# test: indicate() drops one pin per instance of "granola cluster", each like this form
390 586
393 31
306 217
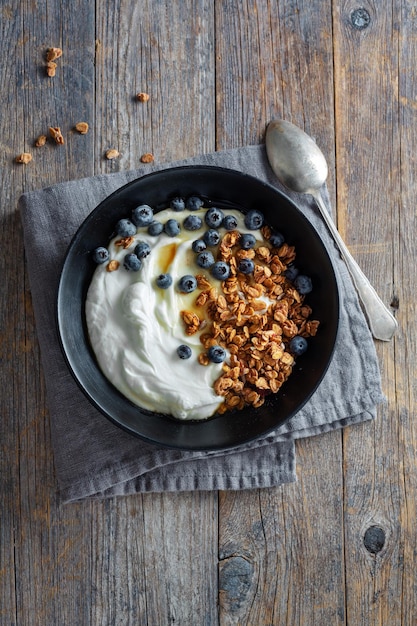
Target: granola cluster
51 55
253 316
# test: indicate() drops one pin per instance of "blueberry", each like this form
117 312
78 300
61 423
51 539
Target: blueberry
229 222
254 219
142 250
132 263
187 283
164 281
198 245
291 272
142 215
155 228
184 352
211 237
216 354
205 259
192 222
101 255
220 270
194 203
246 266
214 217
303 284
125 228
298 345
172 228
276 240
177 204
247 241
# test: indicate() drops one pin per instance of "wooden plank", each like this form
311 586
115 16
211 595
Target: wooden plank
49 578
15 342
275 60
281 550
163 565
12 330
373 208
281 556
60 561
150 556
169 54
404 401
59 101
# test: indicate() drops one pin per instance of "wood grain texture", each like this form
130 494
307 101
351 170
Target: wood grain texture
377 482
167 51
294 563
286 580
150 552
338 546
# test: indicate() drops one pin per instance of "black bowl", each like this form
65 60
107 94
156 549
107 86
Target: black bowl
227 189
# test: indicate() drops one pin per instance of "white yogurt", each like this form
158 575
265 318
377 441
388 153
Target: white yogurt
135 327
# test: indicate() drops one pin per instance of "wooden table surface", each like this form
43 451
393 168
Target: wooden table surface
338 546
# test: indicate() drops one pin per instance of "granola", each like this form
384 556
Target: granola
24 158
148 157
82 128
51 68
56 134
142 97
112 154
53 53
40 141
254 316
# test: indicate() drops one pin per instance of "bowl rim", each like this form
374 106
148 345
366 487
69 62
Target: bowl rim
67 351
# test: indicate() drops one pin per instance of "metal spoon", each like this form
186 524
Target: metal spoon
300 165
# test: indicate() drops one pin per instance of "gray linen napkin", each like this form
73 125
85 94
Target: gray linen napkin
93 458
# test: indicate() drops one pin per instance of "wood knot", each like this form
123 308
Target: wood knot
374 539
360 19
235 581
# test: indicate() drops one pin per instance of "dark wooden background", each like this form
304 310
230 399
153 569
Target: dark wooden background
217 72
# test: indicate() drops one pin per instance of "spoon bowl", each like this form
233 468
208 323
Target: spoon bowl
300 165
295 157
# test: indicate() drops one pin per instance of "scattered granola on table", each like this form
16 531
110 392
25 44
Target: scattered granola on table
24 157
53 53
142 97
40 141
56 134
148 157
112 154
82 128
51 68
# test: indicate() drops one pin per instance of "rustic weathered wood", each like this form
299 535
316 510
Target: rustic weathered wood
286 582
167 51
150 552
338 546
379 461
293 570
49 577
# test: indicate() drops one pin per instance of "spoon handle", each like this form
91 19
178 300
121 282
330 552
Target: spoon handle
381 321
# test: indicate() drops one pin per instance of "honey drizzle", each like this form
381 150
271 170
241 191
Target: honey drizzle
166 256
